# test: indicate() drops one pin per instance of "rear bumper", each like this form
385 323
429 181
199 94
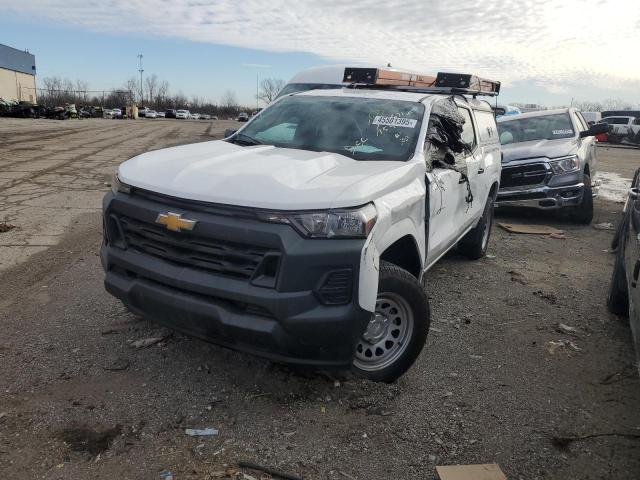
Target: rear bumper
285 321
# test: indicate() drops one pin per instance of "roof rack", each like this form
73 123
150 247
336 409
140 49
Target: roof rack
456 83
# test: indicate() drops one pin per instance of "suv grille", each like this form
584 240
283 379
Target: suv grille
227 258
531 174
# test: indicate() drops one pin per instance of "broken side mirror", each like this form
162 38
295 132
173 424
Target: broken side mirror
230 131
595 129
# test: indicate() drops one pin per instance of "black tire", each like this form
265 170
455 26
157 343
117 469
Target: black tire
618 296
583 213
475 243
400 332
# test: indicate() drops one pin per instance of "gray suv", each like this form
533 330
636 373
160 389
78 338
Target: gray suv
549 158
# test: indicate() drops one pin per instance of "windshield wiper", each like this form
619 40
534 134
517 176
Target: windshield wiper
245 139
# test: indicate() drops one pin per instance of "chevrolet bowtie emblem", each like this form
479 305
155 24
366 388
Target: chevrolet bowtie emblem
175 222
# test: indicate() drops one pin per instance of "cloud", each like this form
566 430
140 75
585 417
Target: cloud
551 42
256 65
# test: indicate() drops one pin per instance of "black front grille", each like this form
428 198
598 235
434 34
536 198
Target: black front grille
228 258
519 175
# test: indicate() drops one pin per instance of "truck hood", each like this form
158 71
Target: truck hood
264 176
539 148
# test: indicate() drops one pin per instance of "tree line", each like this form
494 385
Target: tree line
154 94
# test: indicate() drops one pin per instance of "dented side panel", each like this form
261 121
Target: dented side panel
400 213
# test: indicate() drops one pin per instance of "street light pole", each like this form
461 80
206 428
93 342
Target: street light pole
141 70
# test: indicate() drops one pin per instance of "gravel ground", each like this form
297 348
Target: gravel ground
78 400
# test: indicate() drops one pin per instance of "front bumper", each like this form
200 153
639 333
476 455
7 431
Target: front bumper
284 317
542 196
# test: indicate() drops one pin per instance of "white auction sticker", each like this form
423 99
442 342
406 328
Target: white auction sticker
566 131
395 121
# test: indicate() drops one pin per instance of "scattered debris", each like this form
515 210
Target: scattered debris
84 439
5 227
267 470
490 256
346 475
490 471
517 277
166 475
562 328
380 411
3 414
205 432
119 364
604 226
563 442
434 329
553 347
558 236
550 297
529 229
148 342
475 357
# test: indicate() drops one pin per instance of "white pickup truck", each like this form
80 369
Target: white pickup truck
621 127
304 236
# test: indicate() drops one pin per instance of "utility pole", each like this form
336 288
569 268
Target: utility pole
141 70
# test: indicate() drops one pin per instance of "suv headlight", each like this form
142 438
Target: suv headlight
567 164
342 223
118 186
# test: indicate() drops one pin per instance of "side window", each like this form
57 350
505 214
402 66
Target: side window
636 121
487 128
468 135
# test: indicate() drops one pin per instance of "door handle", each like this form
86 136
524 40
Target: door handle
481 170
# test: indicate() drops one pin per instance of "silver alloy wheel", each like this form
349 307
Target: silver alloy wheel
387 334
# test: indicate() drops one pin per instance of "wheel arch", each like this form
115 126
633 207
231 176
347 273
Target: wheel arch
405 254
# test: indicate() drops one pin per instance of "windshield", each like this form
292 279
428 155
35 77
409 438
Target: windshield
360 128
545 127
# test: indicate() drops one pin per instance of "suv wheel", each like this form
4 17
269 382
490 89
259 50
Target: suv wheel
583 213
475 243
398 329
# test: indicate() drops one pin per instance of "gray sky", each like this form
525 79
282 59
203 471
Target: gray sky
543 50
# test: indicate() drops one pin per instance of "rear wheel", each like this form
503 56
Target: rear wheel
583 213
475 243
398 329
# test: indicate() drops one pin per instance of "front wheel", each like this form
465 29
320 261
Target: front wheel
398 329
583 213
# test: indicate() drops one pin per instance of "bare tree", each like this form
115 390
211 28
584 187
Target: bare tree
162 92
229 100
269 88
132 85
81 89
152 86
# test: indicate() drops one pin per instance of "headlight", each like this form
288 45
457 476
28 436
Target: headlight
118 186
565 164
329 224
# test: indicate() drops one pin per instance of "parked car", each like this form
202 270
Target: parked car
624 292
160 114
195 116
116 113
142 112
621 127
170 113
310 251
205 116
243 117
107 112
183 114
549 158
151 114
213 117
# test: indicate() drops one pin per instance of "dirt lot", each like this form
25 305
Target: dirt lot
79 401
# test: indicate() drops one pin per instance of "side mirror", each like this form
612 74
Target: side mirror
595 129
229 131
634 194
